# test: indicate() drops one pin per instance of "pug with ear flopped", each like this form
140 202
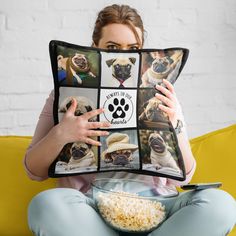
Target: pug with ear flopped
160 154
83 105
121 72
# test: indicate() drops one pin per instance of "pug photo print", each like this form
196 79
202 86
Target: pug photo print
160 64
141 138
119 151
159 153
77 157
119 70
86 98
149 113
77 67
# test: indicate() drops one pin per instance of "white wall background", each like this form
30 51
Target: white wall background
206 87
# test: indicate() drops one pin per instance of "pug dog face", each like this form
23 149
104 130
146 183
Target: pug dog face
80 61
83 105
119 157
79 150
162 65
152 112
121 67
157 143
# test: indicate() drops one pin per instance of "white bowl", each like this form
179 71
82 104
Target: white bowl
131 205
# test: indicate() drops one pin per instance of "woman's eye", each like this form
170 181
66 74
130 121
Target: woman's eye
112 47
134 47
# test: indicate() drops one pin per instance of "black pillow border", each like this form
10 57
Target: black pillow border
53 58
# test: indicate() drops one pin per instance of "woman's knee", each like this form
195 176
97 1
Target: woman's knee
51 209
215 198
51 201
220 204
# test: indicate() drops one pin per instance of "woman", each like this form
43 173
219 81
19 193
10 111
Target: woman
66 211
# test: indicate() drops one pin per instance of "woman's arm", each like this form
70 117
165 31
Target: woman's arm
39 156
49 140
173 109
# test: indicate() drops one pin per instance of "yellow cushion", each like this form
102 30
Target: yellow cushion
16 188
215 153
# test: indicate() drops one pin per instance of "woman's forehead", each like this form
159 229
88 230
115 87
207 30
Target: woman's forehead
120 33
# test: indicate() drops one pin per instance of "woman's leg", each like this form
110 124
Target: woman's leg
209 212
63 212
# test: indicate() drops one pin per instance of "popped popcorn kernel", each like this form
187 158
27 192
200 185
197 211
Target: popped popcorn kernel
129 212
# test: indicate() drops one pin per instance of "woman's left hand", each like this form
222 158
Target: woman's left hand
170 102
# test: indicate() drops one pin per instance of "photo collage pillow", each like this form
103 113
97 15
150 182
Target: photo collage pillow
141 138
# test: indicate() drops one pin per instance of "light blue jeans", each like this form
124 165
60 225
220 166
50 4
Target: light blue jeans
68 212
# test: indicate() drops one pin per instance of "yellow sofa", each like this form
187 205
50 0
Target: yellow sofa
215 153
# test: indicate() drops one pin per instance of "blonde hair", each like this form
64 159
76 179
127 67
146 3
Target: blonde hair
118 14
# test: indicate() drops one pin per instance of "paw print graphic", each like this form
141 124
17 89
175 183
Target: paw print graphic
118 107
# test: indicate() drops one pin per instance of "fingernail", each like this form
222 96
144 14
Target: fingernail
99 144
107 133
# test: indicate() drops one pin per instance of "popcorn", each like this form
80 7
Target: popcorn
129 212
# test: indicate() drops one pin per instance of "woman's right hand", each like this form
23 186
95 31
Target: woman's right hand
78 128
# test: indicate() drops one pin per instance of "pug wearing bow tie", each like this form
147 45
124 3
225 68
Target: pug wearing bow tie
121 72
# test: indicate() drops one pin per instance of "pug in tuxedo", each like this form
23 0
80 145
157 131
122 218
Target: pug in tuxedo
121 72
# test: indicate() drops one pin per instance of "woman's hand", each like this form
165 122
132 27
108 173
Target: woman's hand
170 104
78 128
